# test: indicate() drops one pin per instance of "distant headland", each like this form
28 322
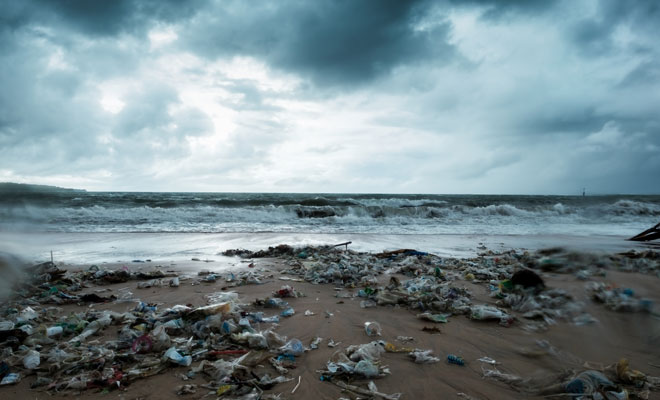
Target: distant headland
11 187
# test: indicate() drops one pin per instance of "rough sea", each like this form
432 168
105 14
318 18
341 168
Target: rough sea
132 212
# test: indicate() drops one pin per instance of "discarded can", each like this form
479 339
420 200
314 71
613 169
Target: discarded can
452 359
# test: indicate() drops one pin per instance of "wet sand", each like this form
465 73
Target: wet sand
635 336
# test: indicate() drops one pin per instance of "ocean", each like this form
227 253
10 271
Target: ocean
85 226
79 211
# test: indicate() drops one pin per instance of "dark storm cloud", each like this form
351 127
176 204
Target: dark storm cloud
484 93
333 42
100 18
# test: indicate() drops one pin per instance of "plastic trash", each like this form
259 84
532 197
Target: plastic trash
293 347
488 360
276 303
372 328
217 308
368 304
54 331
309 313
589 382
174 282
274 340
287 312
229 327
6 325
32 359
369 351
142 344
366 368
27 314
160 339
10 379
453 359
423 357
432 317
484 312
273 319
174 356
223 297
315 343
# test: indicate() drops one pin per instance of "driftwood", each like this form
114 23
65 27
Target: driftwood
649 234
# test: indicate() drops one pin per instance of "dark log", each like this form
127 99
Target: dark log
649 234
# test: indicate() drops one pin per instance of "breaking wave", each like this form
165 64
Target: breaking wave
264 212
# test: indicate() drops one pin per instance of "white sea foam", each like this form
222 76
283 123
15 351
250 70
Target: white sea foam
288 213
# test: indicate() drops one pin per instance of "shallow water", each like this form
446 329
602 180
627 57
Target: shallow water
126 247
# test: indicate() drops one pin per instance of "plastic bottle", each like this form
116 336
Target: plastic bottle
452 359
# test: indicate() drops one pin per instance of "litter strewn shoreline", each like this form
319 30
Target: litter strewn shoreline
326 322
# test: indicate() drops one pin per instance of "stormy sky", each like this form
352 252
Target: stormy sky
478 96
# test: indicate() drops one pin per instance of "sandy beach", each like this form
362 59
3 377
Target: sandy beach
517 349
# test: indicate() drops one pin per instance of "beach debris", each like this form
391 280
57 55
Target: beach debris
454 359
488 360
652 233
432 317
485 312
186 389
309 313
527 279
423 357
10 379
226 343
617 299
297 385
372 328
315 343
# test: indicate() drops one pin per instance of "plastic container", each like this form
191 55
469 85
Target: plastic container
372 328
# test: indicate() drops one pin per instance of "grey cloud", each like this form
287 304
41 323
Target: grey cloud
497 9
645 73
103 18
594 35
340 42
